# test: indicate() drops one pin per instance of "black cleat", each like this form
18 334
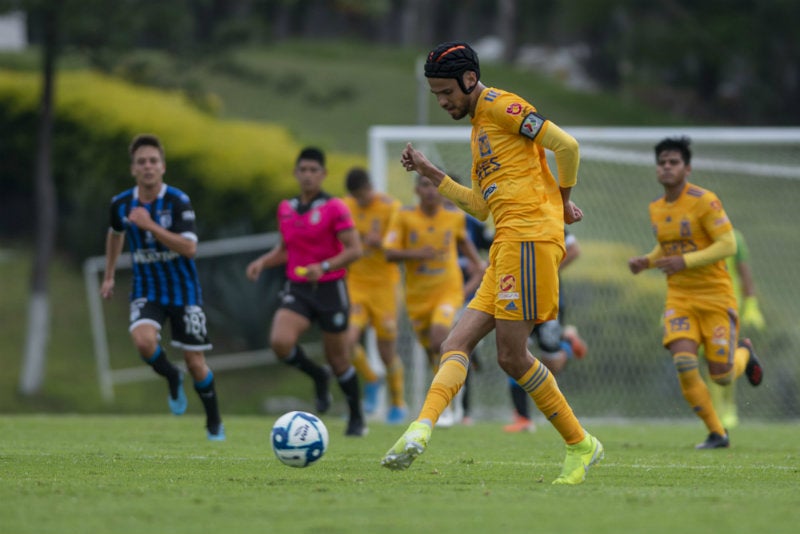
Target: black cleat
715 441
753 371
356 427
322 391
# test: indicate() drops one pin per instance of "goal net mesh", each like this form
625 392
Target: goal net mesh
627 373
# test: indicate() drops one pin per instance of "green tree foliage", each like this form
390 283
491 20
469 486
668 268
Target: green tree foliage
235 171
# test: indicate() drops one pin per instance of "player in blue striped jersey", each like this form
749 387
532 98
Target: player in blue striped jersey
160 224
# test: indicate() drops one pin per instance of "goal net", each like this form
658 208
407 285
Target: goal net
627 373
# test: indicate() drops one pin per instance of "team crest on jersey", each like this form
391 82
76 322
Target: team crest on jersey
531 125
514 108
484 147
165 218
686 228
315 217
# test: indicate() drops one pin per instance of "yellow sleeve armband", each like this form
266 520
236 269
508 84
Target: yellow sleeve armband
567 152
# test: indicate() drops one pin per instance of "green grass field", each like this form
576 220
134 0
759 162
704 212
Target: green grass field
158 474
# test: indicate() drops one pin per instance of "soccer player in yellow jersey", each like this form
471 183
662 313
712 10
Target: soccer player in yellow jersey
512 181
428 238
372 283
694 237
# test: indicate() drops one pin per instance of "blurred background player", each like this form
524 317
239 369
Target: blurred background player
160 224
372 282
556 343
694 237
751 321
318 240
427 238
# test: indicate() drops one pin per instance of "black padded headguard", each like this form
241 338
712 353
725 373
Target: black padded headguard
452 60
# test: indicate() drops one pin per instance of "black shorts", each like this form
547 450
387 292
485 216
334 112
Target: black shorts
324 302
188 323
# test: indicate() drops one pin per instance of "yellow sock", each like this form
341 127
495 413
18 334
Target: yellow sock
448 380
543 389
696 392
740 358
362 366
395 380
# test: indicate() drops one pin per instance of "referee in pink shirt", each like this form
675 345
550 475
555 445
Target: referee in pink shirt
318 240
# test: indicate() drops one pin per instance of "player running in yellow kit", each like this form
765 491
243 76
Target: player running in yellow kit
694 237
372 283
512 181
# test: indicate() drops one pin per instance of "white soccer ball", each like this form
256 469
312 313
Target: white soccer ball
299 438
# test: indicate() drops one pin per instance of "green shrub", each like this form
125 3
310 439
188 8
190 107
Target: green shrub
235 171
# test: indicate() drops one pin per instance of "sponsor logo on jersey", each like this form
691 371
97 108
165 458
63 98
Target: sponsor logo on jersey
507 282
531 125
511 295
488 191
153 256
514 108
486 167
188 215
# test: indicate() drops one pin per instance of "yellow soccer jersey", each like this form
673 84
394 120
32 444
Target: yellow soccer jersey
412 228
372 267
511 169
688 224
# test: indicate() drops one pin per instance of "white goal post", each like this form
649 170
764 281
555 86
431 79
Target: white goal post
94 267
756 173
381 136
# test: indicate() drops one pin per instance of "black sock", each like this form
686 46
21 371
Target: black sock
348 382
520 399
161 365
299 360
208 395
465 395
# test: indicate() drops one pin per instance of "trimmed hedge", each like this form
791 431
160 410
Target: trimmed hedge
235 171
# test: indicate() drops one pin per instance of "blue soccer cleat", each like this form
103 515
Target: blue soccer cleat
396 415
217 434
177 400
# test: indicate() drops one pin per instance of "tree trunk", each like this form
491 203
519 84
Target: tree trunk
506 28
35 355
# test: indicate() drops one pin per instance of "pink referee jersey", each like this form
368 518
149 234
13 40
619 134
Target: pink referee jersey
310 233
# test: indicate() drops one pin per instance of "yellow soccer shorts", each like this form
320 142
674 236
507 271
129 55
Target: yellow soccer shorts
375 306
711 322
441 309
521 282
